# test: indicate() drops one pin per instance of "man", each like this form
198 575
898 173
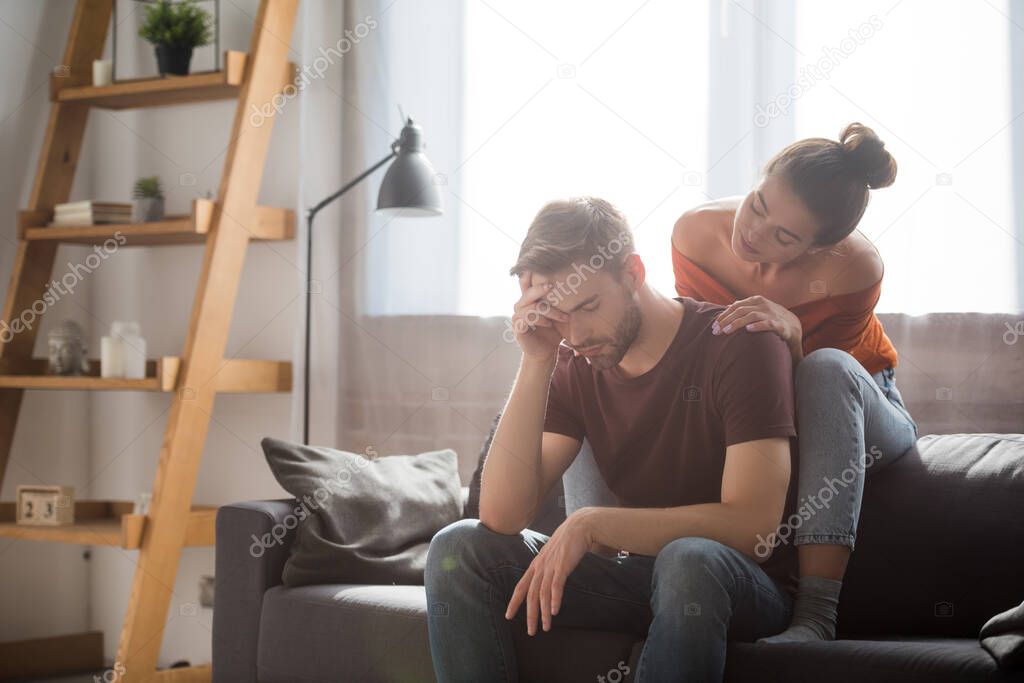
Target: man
690 431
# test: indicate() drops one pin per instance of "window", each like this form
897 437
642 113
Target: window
658 106
571 98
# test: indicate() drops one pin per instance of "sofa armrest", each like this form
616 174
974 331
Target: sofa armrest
253 542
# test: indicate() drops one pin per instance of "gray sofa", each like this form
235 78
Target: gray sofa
940 550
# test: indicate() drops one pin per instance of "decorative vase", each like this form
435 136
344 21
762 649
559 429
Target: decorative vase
147 209
172 59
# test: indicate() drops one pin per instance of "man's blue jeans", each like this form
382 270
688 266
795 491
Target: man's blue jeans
688 601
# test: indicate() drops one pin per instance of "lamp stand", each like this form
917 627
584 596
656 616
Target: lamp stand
311 214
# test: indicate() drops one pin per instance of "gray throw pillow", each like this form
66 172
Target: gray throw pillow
364 519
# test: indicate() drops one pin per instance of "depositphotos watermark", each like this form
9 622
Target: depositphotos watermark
59 288
111 675
616 674
1013 332
309 503
571 285
314 70
811 74
812 504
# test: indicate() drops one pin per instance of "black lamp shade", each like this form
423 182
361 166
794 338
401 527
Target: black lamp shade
409 187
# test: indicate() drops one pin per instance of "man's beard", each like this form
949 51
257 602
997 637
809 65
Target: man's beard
625 334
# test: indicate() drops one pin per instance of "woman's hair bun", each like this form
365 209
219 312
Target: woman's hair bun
865 152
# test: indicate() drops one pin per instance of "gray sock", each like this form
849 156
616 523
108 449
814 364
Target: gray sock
814 613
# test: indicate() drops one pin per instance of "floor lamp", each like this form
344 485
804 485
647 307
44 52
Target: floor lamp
408 189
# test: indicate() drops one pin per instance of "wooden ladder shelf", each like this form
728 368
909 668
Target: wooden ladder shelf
225 226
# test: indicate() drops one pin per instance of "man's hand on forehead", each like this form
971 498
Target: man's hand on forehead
529 279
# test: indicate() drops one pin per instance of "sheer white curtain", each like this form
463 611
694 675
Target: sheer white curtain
327 160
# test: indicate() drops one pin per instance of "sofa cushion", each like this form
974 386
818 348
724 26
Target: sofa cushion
344 632
941 540
379 633
364 519
913 660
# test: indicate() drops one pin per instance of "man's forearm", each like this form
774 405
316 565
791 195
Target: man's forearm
645 531
511 480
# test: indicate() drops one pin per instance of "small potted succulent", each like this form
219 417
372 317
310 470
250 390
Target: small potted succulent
147 200
175 28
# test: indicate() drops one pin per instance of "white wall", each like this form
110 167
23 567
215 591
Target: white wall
108 443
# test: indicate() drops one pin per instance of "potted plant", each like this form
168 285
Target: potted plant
175 28
148 200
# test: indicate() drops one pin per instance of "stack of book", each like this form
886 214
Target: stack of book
91 212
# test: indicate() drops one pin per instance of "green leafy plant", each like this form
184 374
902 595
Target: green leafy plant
148 188
176 24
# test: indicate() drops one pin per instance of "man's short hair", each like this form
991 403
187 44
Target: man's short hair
580 230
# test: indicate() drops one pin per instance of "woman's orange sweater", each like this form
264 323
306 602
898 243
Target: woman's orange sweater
847 321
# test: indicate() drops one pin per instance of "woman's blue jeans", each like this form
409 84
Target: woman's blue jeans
850 425
688 601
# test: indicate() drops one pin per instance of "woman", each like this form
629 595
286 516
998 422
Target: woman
787 259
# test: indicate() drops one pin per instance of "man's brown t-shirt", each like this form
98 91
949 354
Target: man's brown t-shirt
659 439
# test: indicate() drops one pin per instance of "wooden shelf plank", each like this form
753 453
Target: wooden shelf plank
162 91
106 523
171 230
243 376
98 532
166 90
272 223
31 374
82 383
235 375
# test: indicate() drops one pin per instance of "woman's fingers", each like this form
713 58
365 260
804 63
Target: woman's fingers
729 320
732 311
762 326
744 320
755 301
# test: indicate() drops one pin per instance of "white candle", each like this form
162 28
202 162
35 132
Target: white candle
102 71
111 357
